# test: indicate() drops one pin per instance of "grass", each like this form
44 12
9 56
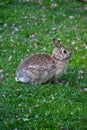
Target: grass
29 27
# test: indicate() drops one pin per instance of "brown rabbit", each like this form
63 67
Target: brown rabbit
40 68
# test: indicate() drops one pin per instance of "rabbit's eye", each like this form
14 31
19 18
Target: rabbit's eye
64 51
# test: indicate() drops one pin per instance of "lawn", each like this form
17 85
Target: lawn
29 27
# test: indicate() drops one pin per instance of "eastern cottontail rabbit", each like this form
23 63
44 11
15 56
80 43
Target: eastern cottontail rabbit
40 68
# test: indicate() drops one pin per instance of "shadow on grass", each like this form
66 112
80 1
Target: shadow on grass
73 78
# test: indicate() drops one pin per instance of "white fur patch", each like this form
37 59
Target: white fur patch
22 79
16 79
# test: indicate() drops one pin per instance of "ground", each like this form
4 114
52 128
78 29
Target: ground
28 27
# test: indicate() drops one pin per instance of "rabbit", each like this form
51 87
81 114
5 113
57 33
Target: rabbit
42 67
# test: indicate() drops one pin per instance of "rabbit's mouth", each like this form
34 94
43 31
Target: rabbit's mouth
66 58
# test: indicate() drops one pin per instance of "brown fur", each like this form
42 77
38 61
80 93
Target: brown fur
40 68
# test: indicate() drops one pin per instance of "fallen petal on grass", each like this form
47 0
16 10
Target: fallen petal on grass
81 72
35 45
13 33
85 89
71 17
85 47
53 6
73 43
1 77
1 71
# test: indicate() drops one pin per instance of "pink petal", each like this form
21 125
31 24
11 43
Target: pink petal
81 72
1 77
1 71
13 33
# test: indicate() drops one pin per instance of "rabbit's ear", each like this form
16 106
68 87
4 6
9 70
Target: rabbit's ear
57 43
54 41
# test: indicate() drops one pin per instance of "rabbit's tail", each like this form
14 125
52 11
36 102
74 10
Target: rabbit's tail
23 76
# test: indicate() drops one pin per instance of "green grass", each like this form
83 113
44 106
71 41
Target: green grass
48 106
